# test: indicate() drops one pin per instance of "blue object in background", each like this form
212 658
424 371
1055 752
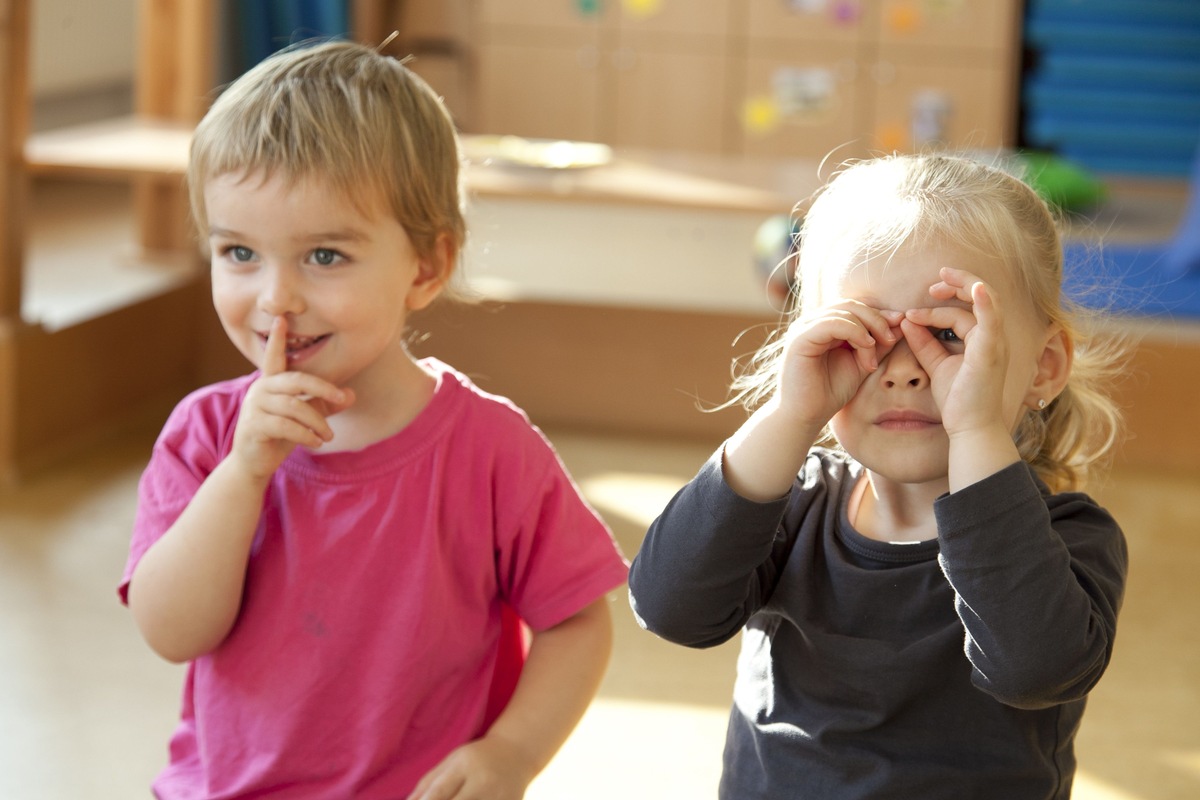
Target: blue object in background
1130 280
1114 85
1152 279
266 26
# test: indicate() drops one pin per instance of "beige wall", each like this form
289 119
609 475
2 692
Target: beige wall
82 44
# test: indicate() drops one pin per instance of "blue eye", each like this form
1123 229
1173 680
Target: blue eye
945 334
240 254
325 257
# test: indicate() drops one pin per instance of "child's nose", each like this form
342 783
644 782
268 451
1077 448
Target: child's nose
280 293
900 369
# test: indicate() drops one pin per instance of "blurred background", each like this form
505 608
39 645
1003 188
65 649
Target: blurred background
635 168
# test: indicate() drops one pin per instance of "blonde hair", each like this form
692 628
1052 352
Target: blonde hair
874 207
349 115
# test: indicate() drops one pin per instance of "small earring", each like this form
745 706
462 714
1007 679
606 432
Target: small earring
1041 403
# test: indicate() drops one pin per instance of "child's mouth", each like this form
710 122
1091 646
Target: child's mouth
299 347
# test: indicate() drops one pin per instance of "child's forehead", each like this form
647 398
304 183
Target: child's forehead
901 279
367 198
256 177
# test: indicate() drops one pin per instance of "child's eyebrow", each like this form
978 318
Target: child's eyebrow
347 235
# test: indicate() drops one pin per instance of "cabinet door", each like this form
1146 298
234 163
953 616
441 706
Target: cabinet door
804 106
960 105
968 24
549 14
676 18
669 75
670 101
544 91
841 21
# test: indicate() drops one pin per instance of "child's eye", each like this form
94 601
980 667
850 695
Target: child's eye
945 334
239 253
325 257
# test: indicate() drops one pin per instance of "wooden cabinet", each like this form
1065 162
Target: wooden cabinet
754 77
961 24
14 24
669 100
857 77
914 106
671 65
560 98
944 72
66 382
799 100
651 74
14 124
435 36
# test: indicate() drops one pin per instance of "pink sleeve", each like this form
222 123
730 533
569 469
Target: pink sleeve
195 438
559 556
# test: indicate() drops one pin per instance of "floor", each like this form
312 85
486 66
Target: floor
85 707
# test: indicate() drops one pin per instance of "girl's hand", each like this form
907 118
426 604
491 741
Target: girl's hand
826 357
485 769
829 354
283 409
968 358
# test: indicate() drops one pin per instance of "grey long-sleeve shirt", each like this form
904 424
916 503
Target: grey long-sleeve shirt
952 668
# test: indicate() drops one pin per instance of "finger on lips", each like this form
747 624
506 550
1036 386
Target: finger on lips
306 387
275 354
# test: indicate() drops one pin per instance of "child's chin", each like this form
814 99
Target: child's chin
905 468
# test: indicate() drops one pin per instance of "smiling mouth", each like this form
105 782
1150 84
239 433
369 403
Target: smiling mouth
297 343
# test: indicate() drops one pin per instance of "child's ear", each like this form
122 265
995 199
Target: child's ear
1054 368
433 273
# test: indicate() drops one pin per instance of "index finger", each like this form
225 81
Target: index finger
956 283
275 355
959 320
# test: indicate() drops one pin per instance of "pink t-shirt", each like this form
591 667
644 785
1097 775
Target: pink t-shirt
367 643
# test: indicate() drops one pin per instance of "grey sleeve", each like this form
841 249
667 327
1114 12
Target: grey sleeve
1038 581
706 564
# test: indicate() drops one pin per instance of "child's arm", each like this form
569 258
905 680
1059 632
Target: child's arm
1039 581
559 680
186 591
825 360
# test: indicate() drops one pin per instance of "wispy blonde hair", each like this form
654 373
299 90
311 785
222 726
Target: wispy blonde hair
874 207
346 114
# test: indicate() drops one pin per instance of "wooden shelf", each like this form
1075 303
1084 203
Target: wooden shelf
124 148
81 258
132 147
643 178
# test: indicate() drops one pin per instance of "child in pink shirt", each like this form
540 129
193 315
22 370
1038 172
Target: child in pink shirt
340 544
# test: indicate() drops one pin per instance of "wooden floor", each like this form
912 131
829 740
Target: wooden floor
85 708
